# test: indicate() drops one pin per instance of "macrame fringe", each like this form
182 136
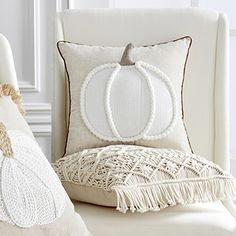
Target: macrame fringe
154 197
9 90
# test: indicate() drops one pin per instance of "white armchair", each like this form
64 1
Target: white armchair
205 105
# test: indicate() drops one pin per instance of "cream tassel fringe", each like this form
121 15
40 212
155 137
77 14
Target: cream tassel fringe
155 196
9 90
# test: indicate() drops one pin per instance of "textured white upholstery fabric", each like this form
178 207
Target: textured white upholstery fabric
7 68
12 118
190 220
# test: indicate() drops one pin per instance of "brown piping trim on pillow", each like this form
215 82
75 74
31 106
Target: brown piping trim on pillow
150 45
188 137
68 80
9 90
182 89
182 85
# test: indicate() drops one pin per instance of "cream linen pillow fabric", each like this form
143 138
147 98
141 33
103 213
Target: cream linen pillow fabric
142 103
142 179
11 110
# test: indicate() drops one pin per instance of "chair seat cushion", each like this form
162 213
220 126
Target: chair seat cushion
203 219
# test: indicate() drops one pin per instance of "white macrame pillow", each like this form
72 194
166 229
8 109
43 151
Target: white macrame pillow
142 179
30 193
126 95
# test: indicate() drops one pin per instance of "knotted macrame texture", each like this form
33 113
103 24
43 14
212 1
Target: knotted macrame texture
30 191
147 178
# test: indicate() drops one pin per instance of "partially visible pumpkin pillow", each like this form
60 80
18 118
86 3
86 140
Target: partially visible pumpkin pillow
11 110
127 95
31 193
142 179
32 199
69 224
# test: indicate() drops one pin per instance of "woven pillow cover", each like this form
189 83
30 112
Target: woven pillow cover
32 199
142 179
130 95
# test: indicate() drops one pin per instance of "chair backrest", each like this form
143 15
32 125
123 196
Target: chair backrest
206 82
7 67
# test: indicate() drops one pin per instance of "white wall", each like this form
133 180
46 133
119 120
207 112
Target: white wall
28 24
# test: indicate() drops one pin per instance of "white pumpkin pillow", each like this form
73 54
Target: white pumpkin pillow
130 95
32 199
142 179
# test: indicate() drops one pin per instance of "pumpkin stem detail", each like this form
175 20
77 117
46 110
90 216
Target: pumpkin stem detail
125 59
5 142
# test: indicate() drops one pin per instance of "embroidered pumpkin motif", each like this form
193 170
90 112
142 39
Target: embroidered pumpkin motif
30 191
128 101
